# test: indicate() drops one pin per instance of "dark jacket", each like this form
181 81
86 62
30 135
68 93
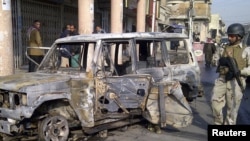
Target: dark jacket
209 49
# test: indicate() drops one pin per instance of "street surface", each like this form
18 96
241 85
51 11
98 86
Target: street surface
195 132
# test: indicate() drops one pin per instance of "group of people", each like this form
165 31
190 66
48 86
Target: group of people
34 41
70 55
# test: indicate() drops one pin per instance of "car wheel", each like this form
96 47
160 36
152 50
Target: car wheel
53 128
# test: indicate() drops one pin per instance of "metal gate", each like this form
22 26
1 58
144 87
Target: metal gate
52 17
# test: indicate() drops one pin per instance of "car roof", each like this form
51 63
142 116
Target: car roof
137 35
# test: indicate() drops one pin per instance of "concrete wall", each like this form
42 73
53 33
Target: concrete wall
6 38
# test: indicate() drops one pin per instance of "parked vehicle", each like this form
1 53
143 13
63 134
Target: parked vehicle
104 81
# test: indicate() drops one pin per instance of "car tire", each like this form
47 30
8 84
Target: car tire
53 127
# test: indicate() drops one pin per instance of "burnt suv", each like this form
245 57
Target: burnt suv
93 83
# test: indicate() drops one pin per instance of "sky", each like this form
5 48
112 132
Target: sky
232 11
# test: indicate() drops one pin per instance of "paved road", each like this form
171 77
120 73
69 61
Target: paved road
195 132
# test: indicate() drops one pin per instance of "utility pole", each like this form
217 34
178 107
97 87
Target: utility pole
190 19
153 16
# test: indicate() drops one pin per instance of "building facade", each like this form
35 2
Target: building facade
193 15
55 14
217 28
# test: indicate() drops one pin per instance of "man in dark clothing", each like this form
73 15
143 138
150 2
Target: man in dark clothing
69 50
208 50
65 31
73 30
74 49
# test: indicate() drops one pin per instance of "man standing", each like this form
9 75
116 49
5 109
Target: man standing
34 40
227 91
74 50
73 31
208 50
66 31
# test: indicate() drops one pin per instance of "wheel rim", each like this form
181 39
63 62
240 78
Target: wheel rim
54 129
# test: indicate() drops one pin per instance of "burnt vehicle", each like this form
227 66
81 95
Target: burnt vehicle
97 82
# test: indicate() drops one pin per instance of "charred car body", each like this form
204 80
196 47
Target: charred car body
101 81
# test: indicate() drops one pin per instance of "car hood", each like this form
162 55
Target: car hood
18 82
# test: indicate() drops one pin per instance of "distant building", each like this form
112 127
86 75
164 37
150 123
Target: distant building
180 12
217 28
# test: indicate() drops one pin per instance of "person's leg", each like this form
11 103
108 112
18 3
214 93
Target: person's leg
210 59
39 59
218 100
233 98
206 60
32 64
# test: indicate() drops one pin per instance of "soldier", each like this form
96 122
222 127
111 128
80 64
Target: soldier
227 90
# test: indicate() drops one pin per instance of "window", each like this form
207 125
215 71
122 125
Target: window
177 52
149 53
115 57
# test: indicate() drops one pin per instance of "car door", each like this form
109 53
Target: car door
116 90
